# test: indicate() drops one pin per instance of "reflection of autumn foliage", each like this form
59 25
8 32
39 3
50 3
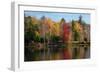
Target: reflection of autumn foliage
66 54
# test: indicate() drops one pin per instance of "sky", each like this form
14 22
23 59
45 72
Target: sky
57 16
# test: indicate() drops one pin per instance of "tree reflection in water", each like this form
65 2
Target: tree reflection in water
81 51
55 52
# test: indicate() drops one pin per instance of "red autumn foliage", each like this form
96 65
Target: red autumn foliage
66 31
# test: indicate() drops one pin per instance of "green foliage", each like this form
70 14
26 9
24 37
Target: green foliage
55 38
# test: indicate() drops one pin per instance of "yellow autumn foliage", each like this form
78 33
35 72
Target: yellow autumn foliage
55 29
77 27
37 33
49 23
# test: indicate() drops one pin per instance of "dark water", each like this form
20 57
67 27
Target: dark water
73 51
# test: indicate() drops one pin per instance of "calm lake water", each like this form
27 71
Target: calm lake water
73 51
